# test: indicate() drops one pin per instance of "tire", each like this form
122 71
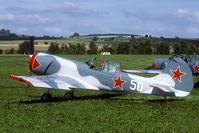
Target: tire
46 97
68 95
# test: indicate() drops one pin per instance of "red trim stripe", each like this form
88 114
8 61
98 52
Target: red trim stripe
32 61
20 79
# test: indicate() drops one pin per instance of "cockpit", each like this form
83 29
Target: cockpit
111 67
194 58
108 66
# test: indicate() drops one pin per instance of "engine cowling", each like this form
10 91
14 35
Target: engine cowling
43 64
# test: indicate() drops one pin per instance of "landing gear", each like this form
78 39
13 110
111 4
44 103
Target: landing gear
165 98
46 97
69 95
196 85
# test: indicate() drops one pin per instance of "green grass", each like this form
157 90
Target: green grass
22 111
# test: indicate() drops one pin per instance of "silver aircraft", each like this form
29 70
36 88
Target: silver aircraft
60 73
161 63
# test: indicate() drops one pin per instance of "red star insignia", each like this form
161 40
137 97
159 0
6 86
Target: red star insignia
154 65
118 82
196 68
177 74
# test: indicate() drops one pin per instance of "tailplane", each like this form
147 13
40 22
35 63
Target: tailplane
178 76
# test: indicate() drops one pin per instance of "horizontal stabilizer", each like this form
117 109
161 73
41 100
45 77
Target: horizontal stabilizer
143 71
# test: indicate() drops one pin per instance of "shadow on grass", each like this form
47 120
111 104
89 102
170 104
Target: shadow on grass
76 98
150 101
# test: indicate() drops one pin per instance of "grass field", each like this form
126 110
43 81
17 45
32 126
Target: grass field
22 111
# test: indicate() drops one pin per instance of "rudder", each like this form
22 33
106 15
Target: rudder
180 77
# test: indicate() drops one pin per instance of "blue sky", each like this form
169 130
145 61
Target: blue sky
168 18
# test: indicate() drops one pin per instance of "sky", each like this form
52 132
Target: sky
167 18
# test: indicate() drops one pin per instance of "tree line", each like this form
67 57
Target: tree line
134 46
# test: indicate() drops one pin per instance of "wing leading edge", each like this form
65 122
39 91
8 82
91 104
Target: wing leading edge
54 81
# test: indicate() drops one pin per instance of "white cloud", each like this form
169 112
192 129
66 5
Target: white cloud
196 17
23 19
182 11
22 30
7 17
54 30
136 28
32 17
192 30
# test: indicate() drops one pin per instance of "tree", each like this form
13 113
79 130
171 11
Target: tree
1 51
162 48
192 49
93 49
183 47
46 43
80 48
75 35
10 51
64 49
95 38
106 48
24 48
72 48
147 47
114 47
4 31
144 47
53 48
176 47
123 48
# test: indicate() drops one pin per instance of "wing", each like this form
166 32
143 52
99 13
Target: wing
143 71
54 81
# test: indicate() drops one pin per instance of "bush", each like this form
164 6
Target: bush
24 48
53 48
1 51
10 51
93 48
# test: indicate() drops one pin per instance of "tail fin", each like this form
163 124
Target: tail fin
179 77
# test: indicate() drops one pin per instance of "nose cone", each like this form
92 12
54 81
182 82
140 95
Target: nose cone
44 64
34 63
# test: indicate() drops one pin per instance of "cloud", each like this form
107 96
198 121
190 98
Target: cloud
23 19
192 30
85 28
72 9
182 11
53 30
22 30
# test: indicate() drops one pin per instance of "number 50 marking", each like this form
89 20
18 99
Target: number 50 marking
136 85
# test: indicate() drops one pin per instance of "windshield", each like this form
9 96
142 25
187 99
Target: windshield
111 67
194 58
91 62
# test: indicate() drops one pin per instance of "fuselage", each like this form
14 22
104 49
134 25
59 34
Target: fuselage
97 79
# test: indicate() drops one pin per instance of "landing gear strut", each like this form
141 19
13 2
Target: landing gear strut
46 96
69 95
196 85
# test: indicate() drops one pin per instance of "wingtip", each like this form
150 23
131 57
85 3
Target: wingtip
20 79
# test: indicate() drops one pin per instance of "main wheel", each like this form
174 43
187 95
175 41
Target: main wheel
68 95
46 97
196 85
